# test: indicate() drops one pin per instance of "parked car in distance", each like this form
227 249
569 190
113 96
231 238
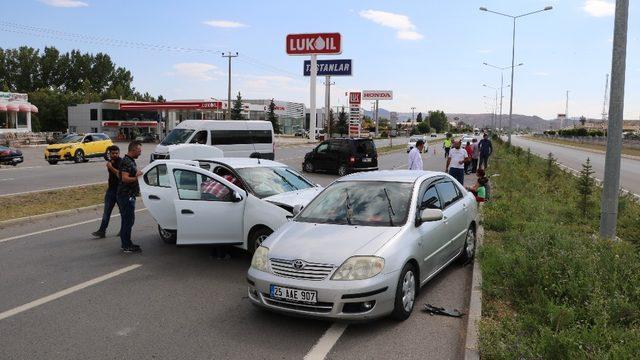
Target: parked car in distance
235 138
233 201
78 148
146 138
9 156
363 247
414 139
299 132
434 135
342 155
466 139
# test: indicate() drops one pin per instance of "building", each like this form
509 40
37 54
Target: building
15 112
124 119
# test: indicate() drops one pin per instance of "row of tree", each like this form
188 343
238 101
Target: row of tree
55 80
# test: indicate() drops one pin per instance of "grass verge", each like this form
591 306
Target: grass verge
625 150
552 289
18 206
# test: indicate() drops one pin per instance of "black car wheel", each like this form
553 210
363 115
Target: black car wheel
168 236
78 157
342 170
257 237
52 162
307 166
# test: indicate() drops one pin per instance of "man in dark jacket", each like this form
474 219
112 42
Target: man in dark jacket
485 151
128 189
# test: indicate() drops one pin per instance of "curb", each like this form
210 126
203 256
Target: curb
631 157
56 214
471 351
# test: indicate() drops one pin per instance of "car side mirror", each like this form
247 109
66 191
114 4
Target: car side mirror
236 197
297 209
429 215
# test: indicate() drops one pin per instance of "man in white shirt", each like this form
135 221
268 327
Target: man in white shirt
455 162
415 160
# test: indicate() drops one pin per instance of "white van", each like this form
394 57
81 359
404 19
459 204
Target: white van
236 138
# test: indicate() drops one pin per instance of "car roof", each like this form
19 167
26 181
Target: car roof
407 176
240 163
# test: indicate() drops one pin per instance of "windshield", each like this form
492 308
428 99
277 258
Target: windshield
71 139
360 203
177 136
269 181
365 147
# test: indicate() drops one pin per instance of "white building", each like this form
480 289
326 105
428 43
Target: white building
15 112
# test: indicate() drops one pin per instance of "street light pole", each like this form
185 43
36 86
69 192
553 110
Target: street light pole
611 184
513 55
229 55
501 68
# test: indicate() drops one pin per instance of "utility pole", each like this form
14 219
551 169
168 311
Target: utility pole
604 102
413 109
611 184
566 111
229 55
376 116
327 104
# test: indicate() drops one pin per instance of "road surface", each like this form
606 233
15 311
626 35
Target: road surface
574 158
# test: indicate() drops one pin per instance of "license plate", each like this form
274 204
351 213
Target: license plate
295 295
367 160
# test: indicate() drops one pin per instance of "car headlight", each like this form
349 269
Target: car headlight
359 268
260 260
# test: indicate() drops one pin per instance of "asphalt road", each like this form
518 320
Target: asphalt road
180 303
574 158
35 174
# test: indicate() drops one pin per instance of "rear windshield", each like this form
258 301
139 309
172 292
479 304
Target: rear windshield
177 136
365 147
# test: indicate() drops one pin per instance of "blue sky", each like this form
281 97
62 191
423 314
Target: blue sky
430 53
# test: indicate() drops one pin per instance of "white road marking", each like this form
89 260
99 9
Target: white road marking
7 179
65 292
22 167
51 189
58 228
326 342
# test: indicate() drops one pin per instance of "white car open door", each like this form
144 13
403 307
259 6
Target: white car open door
209 209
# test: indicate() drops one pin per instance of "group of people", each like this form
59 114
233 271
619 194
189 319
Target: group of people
461 160
122 190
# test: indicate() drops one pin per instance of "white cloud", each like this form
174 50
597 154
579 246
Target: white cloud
599 8
406 30
224 24
195 71
65 3
485 51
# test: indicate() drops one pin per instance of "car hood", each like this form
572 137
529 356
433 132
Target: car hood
326 243
293 198
61 146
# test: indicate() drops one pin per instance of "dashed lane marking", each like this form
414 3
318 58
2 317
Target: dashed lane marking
65 292
320 350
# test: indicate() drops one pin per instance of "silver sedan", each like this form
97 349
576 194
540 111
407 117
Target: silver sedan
363 247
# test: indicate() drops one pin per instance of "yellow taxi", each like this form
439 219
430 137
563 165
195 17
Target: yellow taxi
78 147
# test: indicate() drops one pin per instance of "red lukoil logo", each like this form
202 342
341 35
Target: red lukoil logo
354 98
307 44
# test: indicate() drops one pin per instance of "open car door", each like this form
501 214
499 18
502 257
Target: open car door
209 209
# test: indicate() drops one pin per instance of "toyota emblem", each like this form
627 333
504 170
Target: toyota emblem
298 264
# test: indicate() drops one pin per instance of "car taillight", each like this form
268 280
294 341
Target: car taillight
352 160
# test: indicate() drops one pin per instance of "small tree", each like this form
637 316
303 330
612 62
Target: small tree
423 127
330 126
551 164
528 156
419 118
272 117
583 120
585 187
236 110
342 127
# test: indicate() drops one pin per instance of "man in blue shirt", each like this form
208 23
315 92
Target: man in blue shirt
485 151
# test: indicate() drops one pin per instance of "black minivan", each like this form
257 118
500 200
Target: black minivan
343 155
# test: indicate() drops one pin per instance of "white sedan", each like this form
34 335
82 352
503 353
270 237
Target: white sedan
233 201
414 139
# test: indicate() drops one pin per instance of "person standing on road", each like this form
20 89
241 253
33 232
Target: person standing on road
475 155
447 145
110 196
467 163
455 162
128 189
415 160
486 148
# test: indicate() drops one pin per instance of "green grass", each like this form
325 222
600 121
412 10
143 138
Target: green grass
552 289
18 206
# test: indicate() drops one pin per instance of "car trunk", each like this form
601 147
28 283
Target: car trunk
364 154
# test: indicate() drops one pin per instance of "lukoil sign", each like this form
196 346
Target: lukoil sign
377 95
307 44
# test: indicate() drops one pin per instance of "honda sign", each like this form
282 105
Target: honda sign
377 95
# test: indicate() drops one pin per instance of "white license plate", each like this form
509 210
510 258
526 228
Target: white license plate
296 295
366 160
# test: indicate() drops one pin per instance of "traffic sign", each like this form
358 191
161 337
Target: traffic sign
336 67
318 44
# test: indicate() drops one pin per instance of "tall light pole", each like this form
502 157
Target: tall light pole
513 55
611 184
229 55
501 87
